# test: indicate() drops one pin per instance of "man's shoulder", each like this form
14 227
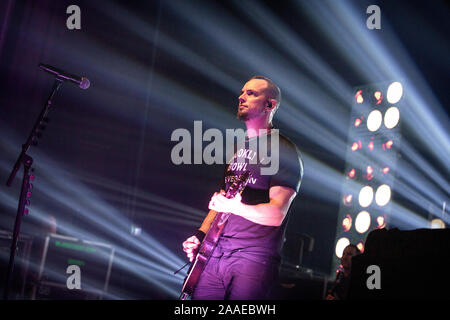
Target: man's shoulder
285 140
288 144
290 153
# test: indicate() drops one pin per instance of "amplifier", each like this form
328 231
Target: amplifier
21 263
299 283
92 261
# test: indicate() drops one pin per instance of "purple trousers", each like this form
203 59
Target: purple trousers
237 276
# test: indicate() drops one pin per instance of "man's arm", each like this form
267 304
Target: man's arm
192 243
271 213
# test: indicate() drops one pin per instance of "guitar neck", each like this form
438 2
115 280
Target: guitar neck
216 227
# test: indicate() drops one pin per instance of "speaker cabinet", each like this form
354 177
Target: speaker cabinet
411 264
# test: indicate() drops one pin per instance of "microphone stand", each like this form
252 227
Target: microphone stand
25 193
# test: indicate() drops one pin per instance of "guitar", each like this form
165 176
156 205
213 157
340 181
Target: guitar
211 238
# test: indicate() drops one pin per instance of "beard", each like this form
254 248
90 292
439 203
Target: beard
243 116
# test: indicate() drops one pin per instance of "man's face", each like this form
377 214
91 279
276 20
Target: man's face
253 100
346 259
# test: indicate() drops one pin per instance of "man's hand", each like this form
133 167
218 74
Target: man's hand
190 246
220 203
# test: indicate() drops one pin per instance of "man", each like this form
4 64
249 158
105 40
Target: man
341 285
245 263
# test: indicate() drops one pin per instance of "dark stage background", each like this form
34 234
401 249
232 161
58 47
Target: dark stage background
103 165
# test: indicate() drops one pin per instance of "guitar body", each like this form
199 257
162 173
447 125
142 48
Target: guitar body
204 252
209 243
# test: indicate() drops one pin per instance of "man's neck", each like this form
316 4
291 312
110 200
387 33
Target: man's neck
256 127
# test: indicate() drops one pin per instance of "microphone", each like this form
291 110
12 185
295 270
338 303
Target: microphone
82 82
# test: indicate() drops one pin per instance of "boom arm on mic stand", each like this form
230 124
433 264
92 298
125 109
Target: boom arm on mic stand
82 82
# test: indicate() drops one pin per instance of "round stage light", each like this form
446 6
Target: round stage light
347 223
352 173
365 196
437 224
348 199
381 222
340 246
383 195
360 246
388 144
391 117
136 231
369 171
358 96
374 120
362 222
378 96
394 92
356 145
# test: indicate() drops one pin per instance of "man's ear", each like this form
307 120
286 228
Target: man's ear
271 103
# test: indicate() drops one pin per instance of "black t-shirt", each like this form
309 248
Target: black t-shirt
241 234
342 288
